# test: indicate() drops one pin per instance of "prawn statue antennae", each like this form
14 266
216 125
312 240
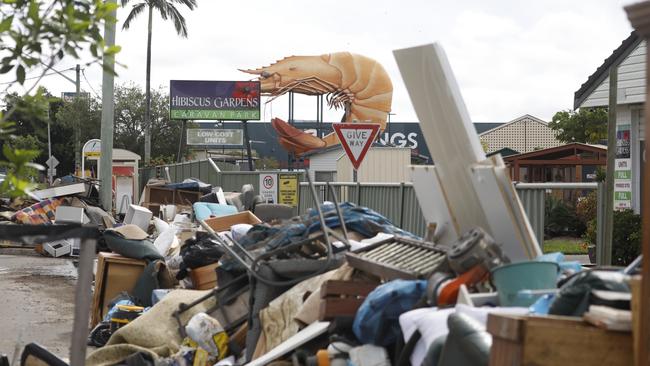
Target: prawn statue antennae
358 84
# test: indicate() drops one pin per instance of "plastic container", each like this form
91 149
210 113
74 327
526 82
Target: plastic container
512 278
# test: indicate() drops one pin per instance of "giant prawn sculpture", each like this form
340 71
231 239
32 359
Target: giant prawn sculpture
352 82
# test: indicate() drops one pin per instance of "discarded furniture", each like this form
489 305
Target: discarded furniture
115 274
224 223
555 340
397 257
342 298
155 196
273 211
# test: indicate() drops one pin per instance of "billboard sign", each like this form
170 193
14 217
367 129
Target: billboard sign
214 100
209 137
70 96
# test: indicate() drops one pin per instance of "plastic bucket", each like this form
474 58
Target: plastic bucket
512 278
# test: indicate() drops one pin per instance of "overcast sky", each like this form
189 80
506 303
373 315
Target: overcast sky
510 57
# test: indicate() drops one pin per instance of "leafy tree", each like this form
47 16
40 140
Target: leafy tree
130 130
34 36
167 10
588 125
88 111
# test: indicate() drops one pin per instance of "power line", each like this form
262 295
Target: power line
83 73
36 77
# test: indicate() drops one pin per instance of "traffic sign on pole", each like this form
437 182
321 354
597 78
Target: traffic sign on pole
356 139
52 162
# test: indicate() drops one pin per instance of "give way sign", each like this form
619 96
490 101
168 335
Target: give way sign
356 139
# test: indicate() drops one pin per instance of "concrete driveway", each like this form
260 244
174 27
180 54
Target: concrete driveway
36 302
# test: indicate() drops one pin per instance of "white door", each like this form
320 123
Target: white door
123 188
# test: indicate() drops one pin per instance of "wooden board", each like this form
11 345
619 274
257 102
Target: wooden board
434 204
542 341
456 151
446 127
504 212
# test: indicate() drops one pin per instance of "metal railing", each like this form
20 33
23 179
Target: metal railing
396 201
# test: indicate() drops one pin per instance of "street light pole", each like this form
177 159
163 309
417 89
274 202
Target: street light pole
108 80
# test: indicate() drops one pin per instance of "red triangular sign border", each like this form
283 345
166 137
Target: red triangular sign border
356 126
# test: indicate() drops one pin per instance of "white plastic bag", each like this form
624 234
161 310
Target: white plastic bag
166 240
208 333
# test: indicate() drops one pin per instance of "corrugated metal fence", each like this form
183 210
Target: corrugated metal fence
396 201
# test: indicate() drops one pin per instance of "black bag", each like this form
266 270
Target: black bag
199 252
575 297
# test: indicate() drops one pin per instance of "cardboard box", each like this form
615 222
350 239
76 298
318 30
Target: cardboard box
115 274
224 223
58 248
555 340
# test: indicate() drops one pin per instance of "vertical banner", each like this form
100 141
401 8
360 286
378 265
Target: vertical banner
269 187
288 189
622 169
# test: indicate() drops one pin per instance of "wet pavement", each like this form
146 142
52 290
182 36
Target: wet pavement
36 302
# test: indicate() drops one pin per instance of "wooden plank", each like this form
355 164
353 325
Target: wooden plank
446 127
331 308
350 288
456 150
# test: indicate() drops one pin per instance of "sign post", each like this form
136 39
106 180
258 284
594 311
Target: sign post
269 187
356 139
288 189
206 137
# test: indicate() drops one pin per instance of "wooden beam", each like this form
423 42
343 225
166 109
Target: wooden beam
562 162
639 16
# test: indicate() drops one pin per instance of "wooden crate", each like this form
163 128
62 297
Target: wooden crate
155 196
343 298
553 340
115 274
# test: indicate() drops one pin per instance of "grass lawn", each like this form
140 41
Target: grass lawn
566 245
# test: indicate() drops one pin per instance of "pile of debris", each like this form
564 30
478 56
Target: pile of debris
193 275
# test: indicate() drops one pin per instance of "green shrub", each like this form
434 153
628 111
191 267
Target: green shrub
626 239
561 219
587 207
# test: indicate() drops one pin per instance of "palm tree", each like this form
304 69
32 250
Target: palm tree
167 10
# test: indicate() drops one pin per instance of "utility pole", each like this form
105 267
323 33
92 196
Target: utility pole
638 16
606 251
108 80
77 130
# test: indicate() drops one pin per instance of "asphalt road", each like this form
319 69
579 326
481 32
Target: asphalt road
36 303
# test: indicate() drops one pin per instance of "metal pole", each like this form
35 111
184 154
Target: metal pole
180 142
248 146
108 80
611 155
83 295
49 148
77 130
639 16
